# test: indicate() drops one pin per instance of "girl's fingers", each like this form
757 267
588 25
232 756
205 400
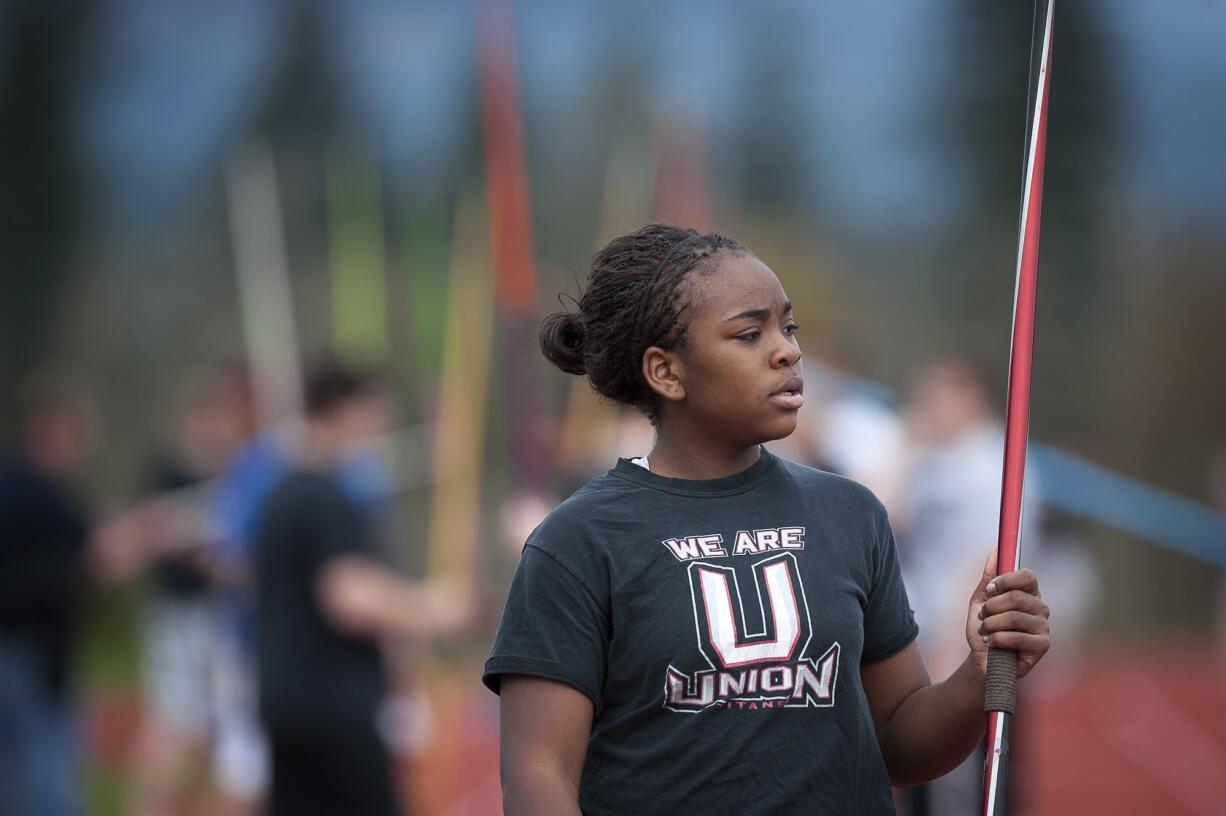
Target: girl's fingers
1022 579
1020 642
1014 599
1014 621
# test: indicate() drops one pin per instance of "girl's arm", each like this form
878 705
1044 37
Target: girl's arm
926 729
545 729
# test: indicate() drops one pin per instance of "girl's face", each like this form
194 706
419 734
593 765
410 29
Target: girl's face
738 377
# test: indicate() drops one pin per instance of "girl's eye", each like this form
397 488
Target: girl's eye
791 328
749 336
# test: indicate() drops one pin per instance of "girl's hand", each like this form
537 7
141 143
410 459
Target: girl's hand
1007 612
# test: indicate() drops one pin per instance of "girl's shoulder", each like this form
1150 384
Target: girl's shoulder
580 519
826 486
579 532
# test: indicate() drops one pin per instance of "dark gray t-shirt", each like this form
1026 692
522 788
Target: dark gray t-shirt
718 627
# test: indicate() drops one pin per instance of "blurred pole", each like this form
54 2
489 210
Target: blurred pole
427 257
1001 681
463 403
625 206
360 329
265 299
672 184
510 225
683 176
628 189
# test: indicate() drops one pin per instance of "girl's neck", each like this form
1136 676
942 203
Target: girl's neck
681 456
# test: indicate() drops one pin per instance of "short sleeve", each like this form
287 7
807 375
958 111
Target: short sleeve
555 625
889 623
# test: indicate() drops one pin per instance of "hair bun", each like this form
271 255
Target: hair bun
562 340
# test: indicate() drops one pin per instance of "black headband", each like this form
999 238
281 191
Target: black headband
654 278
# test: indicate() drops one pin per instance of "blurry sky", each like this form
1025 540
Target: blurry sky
169 85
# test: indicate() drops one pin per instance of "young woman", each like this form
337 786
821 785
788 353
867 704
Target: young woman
711 629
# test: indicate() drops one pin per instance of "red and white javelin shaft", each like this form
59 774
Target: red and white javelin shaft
1000 687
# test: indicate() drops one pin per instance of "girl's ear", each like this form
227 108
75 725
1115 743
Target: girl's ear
664 373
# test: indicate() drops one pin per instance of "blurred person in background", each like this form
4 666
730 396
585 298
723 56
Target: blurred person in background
326 600
240 758
948 507
240 752
43 546
210 423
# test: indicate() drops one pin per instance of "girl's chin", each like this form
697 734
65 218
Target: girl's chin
779 428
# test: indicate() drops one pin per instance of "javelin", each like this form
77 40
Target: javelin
1000 692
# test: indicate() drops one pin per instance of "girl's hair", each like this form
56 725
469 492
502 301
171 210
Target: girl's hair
634 299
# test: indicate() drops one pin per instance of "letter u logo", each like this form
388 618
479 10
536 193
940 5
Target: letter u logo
783 627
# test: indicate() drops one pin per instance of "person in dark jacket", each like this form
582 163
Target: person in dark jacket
43 534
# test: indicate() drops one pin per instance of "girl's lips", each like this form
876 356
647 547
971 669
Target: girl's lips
788 400
790 396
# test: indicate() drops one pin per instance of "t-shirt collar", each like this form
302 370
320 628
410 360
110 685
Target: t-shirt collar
723 486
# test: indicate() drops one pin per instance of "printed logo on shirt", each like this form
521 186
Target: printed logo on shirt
746 542
753 670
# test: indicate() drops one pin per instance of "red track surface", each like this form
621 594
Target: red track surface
1132 734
